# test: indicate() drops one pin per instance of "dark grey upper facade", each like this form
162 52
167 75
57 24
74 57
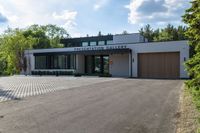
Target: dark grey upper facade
77 42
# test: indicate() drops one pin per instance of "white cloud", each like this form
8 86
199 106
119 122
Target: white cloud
27 12
99 4
67 17
156 11
134 16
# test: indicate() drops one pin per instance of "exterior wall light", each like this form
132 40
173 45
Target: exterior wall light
184 59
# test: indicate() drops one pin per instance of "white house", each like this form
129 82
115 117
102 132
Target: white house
129 55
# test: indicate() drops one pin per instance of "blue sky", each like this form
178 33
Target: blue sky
81 17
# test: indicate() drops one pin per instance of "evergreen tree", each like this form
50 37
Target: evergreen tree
147 32
169 33
192 19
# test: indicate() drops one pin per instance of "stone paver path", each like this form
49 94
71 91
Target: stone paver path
18 87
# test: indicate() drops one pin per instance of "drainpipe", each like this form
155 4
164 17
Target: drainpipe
130 63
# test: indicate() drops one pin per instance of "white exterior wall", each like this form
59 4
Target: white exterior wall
30 62
80 64
173 46
120 65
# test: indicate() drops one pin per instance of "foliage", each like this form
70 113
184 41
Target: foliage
191 18
47 36
3 65
13 45
124 32
14 41
147 32
170 33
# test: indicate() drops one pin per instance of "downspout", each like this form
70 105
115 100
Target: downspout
131 64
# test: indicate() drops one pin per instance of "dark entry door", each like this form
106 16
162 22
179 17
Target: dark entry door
97 64
106 64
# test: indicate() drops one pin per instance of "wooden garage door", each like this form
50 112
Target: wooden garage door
159 65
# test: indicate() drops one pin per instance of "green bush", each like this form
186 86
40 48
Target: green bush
3 65
105 75
77 74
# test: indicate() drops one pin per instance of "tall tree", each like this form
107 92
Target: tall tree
14 41
191 18
39 34
47 36
147 32
54 34
124 32
13 45
3 61
181 30
169 33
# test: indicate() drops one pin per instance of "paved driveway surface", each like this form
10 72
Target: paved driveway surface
116 106
17 87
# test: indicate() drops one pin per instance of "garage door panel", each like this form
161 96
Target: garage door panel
159 65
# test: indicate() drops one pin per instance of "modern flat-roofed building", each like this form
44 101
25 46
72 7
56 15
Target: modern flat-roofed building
123 55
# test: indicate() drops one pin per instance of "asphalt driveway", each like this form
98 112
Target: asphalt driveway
111 106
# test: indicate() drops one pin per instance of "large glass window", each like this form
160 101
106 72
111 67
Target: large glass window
109 42
101 43
93 43
84 44
61 62
72 62
40 62
55 62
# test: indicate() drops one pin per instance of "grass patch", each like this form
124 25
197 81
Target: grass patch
194 93
188 120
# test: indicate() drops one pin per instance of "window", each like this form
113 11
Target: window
84 44
72 61
61 62
101 43
109 42
40 62
93 43
68 45
55 62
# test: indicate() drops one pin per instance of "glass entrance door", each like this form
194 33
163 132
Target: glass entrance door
106 64
97 64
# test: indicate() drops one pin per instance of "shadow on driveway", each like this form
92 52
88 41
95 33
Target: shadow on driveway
7 94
